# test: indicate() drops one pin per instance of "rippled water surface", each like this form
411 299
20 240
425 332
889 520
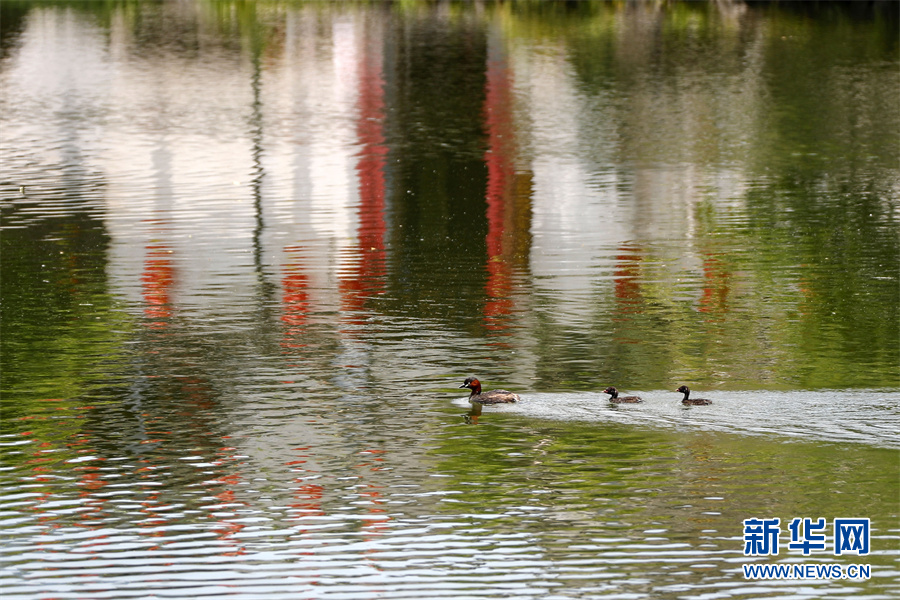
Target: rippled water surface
250 250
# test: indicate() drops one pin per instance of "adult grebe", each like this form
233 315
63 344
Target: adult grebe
492 397
691 401
615 399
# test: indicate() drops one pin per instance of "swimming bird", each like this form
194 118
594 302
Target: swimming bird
614 397
491 397
691 401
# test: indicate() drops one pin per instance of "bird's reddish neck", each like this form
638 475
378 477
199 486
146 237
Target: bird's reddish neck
476 389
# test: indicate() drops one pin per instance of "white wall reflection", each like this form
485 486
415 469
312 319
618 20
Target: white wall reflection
241 162
309 127
187 145
634 164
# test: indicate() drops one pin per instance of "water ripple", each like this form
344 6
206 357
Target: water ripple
869 417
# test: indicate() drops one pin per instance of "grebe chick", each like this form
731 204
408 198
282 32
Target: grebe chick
691 401
614 397
492 397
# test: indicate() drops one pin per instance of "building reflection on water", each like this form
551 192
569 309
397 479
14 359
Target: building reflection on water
474 171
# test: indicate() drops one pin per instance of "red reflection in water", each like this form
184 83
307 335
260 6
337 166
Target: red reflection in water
716 285
295 299
367 278
307 494
626 278
500 190
200 394
378 519
308 498
225 527
627 288
90 481
157 282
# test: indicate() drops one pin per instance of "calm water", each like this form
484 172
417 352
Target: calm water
251 250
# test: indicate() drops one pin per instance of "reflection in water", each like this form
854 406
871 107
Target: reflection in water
507 206
295 298
499 159
259 241
716 286
368 278
158 280
627 278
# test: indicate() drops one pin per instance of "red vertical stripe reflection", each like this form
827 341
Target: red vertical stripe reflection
157 282
501 184
367 278
295 299
716 285
626 278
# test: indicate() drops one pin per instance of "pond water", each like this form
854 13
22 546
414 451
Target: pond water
251 250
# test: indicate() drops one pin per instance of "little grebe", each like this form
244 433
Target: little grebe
492 397
614 397
689 401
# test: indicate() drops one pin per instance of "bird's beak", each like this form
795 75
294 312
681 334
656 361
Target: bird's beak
463 386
